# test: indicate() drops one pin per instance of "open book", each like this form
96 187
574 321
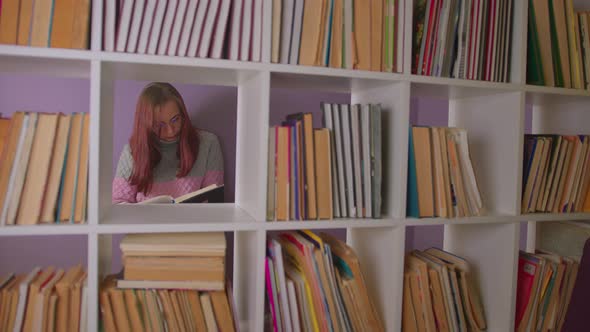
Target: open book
212 194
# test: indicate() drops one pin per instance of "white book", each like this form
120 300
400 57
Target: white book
340 159
12 178
195 39
110 19
167 27
23 293
467 172
293 305
154 35
220 27
257 30
236 24
84 308
266 30
286 29
135 26
246 31
356 159
442 38
123 25
296 35
187 26
208 312
328 123
146 25
208 28
280 270
347 150
177 27
21 170
366 151
347 45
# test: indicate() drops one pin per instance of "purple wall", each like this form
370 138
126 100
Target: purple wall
211 108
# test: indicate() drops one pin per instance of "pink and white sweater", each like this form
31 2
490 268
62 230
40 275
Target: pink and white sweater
208 169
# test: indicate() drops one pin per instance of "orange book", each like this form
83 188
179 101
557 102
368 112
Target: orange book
336 42
31 198
62 24
362 34
9 153
377 10
197 310
82 185
323 173
119 312
41 23
24 22
81 27
422 152
223 315
4 129
310 33
131 303
9 21
282 167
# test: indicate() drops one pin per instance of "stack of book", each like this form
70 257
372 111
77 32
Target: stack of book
46 299
555 174
441 180
440 293
314 283
174 260
558 52
174 280
329 172
44 169
545 284
45 23
467 39
366 35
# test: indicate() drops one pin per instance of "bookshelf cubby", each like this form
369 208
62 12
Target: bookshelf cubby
493 114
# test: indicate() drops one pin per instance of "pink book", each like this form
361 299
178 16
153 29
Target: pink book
270 292
527 267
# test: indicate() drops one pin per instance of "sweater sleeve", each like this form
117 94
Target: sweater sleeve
123 191
214 168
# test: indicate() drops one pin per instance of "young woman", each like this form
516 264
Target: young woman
166 155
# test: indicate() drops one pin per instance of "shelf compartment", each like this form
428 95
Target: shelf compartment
176 218
493 219
45 61
332 224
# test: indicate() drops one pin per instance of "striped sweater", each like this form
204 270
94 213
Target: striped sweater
207 169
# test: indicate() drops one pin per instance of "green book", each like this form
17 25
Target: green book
557 71
534 67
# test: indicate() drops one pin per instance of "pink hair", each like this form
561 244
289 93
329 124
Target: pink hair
144 142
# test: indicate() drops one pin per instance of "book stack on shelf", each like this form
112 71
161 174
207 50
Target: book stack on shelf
558 47
329 172
545 284
175 280
555 174
463 39
45 24
441 180
44 169
315 283
367 35
440 293
47 299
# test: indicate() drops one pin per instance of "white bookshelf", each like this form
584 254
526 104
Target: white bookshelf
493 113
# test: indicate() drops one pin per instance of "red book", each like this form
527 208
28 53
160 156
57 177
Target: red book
528 271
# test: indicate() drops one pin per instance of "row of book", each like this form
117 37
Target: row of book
364 35
46 299
441 180
315 283
165 309
440 293
558 50
545 284
44 169
45 23
555 174
468 39
329 172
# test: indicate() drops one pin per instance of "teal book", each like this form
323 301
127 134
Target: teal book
412 209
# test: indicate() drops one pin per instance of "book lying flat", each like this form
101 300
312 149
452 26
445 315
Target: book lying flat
211 194
189 284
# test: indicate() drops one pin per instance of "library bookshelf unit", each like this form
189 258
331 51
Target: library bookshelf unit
493 114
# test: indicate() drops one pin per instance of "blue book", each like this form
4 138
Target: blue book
412 208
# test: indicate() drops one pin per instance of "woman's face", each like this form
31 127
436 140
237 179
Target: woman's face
168 122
